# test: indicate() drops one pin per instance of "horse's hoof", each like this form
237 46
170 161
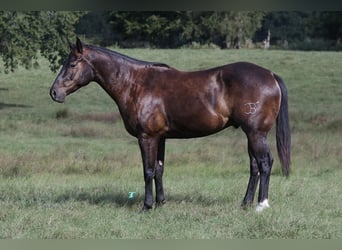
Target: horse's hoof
145 208
262 206
160 203
246 205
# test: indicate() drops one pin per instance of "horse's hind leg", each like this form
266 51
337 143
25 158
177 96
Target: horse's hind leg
253 181
158 178
261 157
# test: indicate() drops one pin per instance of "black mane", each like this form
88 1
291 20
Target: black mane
127 58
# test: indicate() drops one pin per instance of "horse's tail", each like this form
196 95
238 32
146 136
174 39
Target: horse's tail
283 133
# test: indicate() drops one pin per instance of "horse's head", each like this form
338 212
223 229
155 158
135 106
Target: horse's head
76 73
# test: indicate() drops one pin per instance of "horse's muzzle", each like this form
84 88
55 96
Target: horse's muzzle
57 96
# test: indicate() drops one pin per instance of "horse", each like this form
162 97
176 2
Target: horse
159 102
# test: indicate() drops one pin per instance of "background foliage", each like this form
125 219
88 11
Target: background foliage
25 34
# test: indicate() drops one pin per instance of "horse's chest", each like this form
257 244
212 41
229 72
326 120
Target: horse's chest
146 115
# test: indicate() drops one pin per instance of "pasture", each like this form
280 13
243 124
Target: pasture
66 170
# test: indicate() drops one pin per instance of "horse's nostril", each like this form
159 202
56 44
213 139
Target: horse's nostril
53 93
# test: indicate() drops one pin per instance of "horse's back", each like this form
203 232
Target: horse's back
245 73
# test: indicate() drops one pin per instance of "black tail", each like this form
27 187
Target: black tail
283 132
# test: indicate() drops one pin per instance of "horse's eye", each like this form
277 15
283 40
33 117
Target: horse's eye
73 64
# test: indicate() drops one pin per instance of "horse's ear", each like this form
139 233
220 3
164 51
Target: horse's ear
71 46
79 45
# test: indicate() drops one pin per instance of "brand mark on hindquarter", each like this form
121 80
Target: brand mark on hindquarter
252 107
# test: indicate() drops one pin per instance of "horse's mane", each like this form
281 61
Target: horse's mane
127 58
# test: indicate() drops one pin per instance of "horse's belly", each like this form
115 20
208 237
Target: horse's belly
197 125
197 115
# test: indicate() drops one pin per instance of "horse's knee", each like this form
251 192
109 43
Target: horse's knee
149 174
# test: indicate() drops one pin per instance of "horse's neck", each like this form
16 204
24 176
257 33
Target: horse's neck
115 77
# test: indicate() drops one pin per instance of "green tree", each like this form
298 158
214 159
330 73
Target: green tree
327 25
307 30
24 34
232 28
287 25
159 28
95 28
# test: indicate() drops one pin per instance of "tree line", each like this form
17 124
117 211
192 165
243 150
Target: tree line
226 29
25 34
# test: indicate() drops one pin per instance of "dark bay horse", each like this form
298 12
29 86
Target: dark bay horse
157 102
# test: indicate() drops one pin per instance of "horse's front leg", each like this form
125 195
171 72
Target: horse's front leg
149 150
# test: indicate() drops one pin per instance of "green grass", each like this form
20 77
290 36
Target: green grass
66 169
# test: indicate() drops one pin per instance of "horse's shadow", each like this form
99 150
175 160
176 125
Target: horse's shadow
122 199
13 105
118 199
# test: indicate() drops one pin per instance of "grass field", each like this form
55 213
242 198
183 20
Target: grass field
66 169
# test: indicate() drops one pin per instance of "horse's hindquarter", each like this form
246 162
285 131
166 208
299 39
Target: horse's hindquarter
254 95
